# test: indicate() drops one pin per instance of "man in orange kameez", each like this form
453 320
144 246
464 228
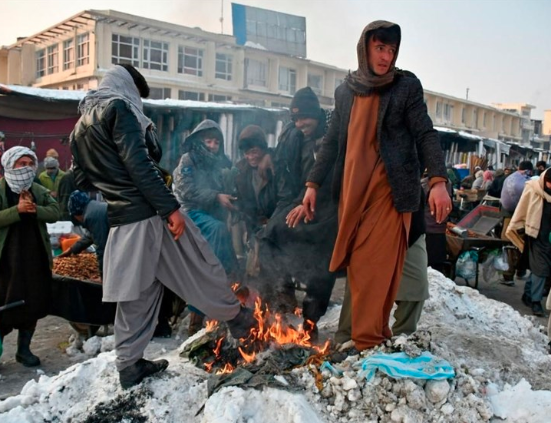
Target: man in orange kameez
379 135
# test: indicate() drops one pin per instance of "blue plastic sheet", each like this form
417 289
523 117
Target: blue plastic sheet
400 365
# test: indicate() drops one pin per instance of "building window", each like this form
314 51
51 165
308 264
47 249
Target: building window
223 66
155 55
484 119
219 98
159 93
256 72
40 63
287 80
316 83
448 112
125 50
68 54
438 110
53 59
475 118
463 116
190 95
503 125
83 49
190 61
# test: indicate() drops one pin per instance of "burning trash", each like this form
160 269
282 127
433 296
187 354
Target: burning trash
275 337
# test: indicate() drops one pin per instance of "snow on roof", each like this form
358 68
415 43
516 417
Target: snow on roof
447 130
69 95
44 93
255 45
470 136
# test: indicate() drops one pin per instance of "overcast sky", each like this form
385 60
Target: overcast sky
499 49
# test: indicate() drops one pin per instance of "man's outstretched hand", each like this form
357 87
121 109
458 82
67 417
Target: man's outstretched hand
309 203
176 224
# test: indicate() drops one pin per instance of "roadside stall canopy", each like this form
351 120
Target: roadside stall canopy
464 141
28 102
493 143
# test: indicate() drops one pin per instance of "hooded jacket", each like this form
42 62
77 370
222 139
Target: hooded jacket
404 132
199 178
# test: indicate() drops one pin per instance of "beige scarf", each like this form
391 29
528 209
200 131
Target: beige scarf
363 80
528 212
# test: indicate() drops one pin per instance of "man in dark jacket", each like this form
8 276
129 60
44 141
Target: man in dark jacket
379 131
290 246
255 188
147 246
497 184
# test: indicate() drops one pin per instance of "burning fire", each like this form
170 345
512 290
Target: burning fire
272 330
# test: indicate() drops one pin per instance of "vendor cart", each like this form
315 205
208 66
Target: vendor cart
476 233
79 302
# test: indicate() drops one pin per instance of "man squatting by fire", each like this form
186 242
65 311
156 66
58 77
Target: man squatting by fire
377 172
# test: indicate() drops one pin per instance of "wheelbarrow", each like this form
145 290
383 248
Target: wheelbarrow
7 307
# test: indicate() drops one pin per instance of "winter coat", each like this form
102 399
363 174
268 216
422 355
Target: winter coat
528 213
496 186
47 211
295 158
405 135
47 182
96 222
512 190
256 209
110 154
198 181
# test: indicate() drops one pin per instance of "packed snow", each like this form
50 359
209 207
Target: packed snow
500 360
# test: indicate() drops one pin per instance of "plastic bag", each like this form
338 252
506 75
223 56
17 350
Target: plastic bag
489 272
501 262
466 265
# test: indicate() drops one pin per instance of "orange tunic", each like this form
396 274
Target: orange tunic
372 237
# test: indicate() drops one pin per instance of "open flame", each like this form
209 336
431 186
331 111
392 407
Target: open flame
272 329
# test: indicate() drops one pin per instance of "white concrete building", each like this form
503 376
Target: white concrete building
178 62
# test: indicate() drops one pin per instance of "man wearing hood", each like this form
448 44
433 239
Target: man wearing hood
199 186
151 242
533 216
379 133
290 246
25 250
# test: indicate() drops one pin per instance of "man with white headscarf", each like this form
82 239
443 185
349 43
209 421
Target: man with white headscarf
115 151
25 250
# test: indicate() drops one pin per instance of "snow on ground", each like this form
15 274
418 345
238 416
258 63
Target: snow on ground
499 357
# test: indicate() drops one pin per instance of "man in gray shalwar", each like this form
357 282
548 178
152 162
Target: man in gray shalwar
151 241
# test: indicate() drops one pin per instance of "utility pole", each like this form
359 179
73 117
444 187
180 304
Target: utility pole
467 96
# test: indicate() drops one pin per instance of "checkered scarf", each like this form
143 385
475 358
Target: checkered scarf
20 179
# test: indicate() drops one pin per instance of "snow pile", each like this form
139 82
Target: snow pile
497 355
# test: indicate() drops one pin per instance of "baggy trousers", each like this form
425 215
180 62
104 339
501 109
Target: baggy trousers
143 256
